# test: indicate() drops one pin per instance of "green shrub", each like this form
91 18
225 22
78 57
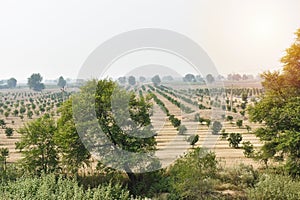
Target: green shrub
52 187
275 187
248 149
191 177
234 139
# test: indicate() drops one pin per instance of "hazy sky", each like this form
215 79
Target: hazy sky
55 37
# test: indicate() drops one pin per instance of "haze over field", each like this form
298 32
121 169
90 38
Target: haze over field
54 38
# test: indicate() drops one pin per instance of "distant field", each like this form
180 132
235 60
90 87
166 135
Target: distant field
30 105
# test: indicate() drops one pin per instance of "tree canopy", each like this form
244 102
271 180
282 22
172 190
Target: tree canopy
12 83
156 80
61 82
35 82
279 110
125 139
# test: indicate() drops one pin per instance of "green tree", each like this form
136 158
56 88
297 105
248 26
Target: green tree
2 123
131 80
248 149
191 177
12 83
210 78
193 139
229 118
6 114
216 127
279 110
9 132
248 128
239 123
73 153
38 147
234 139
61 82
156 80
125 124
35 82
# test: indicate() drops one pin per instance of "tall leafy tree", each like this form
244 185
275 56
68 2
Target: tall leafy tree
125 139
38 147
12 83
210 78
156 80
279 110
73 153
61 82
35 82
131 80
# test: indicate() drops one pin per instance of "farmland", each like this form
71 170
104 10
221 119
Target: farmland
25 105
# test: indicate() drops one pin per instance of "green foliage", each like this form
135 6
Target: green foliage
3 156
73 153
61 82
35 82
2 123
229 118
216 127
131 80
275 187
52 187
279 110
193 139
191 175
130 132
156 80
239 123
9 132
241 176
234 139
38 147
12 83
248 149
248 128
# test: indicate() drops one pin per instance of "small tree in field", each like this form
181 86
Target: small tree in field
193 139
239 123
6 114
9 132
38 147
229 118
2 123
248 128
248 149
217 126
235 139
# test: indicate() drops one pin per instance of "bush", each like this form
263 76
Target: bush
242 176
234 139
52 187
193 139
275 187
248 149
191 177
9 132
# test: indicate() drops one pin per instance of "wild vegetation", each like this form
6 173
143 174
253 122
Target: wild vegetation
48 143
